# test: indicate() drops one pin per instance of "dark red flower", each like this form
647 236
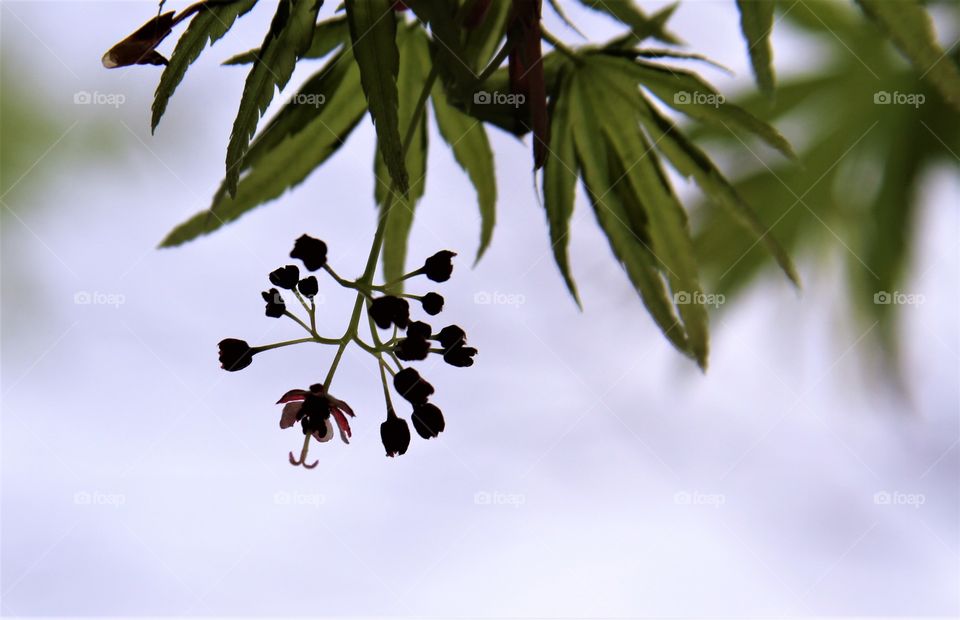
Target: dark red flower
314 408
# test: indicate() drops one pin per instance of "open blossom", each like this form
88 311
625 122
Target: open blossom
314 409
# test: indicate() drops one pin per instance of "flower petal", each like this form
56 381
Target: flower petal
326 437
289 416
343 425
339 404
293 395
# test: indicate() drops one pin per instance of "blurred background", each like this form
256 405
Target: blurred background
587 469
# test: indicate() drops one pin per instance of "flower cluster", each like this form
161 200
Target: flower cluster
316 409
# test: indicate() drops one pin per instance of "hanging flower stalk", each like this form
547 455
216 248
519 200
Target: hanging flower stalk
316 409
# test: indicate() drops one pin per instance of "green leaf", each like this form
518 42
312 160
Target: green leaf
450 57
641 26
210 24
414 68
304 107
909 26
482 43
656 53
287 40
558 9
756 23
468 140
299 139
689 160
328 35
687 93
560 179
626 229
666 220
693 163
373 32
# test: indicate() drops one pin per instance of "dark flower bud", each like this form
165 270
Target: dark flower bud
410 385
389 310
439 266
235 354
395 434
419 329
308 287
412 349
451 336
432 303
428 420
312 252
275 305
285 277
460 356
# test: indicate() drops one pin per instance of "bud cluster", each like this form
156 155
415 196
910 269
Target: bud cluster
315 409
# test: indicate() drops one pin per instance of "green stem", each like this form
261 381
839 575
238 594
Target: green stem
383 379
333 366
389 285
302 303
342 281
285 343
396 360
364 282
305 448
372 350
298 321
